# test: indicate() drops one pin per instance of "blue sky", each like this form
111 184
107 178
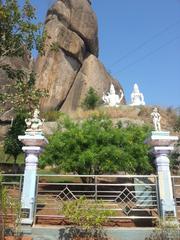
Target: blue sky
139 42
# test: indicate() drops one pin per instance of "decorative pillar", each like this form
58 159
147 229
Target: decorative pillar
34 142
162 144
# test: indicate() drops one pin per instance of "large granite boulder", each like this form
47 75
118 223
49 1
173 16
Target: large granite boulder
84 23
70 65
92 74
57 72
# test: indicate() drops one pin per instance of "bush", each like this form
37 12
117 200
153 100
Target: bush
88 216
91 100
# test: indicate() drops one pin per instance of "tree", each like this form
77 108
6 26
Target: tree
18 32
91 100
95 146
19 35
12 145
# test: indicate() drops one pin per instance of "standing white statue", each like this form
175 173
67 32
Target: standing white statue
137 98
111 98
156 119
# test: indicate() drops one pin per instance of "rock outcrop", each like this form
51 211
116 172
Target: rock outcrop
92 74
70 64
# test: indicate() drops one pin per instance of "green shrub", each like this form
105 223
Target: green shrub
89 216
91 100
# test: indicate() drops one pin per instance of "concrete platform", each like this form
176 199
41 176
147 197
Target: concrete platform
61 233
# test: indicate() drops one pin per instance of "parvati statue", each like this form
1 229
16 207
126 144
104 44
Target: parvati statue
137 98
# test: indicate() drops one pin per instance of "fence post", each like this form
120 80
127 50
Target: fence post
162 145
95 188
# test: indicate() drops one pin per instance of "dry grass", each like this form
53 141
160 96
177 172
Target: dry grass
141 113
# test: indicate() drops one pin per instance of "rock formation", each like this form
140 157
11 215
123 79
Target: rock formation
70 64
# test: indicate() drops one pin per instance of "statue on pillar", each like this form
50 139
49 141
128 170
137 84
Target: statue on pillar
34 124
137 98
34 142
156 119
111 98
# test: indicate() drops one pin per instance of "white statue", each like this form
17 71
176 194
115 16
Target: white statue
34 124
156 119
137 98
111 98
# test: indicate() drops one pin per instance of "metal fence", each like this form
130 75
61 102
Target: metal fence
128 196
13 184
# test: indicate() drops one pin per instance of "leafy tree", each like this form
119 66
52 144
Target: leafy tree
91 100
95 146
19 34
12 145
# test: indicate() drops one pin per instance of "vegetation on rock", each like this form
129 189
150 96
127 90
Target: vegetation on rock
91 100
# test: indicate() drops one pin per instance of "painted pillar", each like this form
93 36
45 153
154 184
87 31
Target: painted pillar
162 144
34 145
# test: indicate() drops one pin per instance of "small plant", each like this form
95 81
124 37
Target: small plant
88 217
166 230
91 100
9 205
55 47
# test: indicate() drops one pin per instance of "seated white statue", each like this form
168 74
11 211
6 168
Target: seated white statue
111 98
156 119
137 98
34 124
